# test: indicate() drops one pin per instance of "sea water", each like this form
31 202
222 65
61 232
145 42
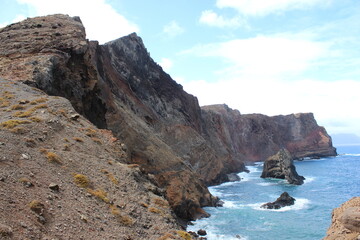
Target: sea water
329 182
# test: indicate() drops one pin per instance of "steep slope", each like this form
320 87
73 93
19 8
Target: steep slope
51 53
62 177
255 137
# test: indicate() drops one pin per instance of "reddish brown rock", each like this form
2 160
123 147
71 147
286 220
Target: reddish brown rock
345 223
255 137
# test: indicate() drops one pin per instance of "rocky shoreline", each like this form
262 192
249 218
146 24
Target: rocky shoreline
180 147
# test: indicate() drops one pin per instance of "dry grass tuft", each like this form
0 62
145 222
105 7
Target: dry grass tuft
19 130
53 157
35 119
123 219
77 139
184 235
10 124
155 210
36 206
110 176
100 194
81 180
39 100
97 140
161 202
17 107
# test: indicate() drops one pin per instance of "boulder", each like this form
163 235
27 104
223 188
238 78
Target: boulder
284 200
345 223
281 166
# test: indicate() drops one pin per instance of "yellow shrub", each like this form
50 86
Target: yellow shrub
99 193
53 157
13 123
81 180
184 235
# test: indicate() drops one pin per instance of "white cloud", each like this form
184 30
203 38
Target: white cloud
173 29
166 64
327 100
265 56
267 74
265 7
211 18
17 18
102 22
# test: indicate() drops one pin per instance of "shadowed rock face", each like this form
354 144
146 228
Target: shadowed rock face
281 166
119 87
255 137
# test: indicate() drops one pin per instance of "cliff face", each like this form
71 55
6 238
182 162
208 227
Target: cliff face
255 137
119 87
345 224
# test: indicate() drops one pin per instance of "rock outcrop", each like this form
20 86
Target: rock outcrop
117 86
345 223
284 200
281 166
255 137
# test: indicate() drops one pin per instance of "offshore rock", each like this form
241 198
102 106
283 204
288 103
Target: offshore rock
345 223
281 166
284 200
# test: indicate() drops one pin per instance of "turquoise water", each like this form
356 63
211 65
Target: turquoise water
329 182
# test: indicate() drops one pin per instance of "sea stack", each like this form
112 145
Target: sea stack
281 166
284 200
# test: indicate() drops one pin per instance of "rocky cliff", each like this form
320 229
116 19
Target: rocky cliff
255 137
117 86
345 223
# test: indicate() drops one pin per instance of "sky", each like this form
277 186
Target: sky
258 56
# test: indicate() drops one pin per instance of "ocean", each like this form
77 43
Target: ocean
329 182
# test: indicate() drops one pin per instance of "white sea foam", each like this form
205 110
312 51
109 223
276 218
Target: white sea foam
231 204
266 184
212 231
352 154
300 204
309 179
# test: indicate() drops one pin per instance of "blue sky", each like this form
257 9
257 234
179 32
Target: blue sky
258 56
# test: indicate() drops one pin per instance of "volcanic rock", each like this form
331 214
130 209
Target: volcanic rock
119 87
345 223
281 166
284 200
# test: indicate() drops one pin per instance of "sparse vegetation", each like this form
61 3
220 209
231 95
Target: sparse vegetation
38 100
90 132
123 219
99 193
110 176
161 202
24 114
36 206
77 139
184 235
8 95
18 130
35 119
17 107
53 157
154 210
97 140
10 124
81 180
